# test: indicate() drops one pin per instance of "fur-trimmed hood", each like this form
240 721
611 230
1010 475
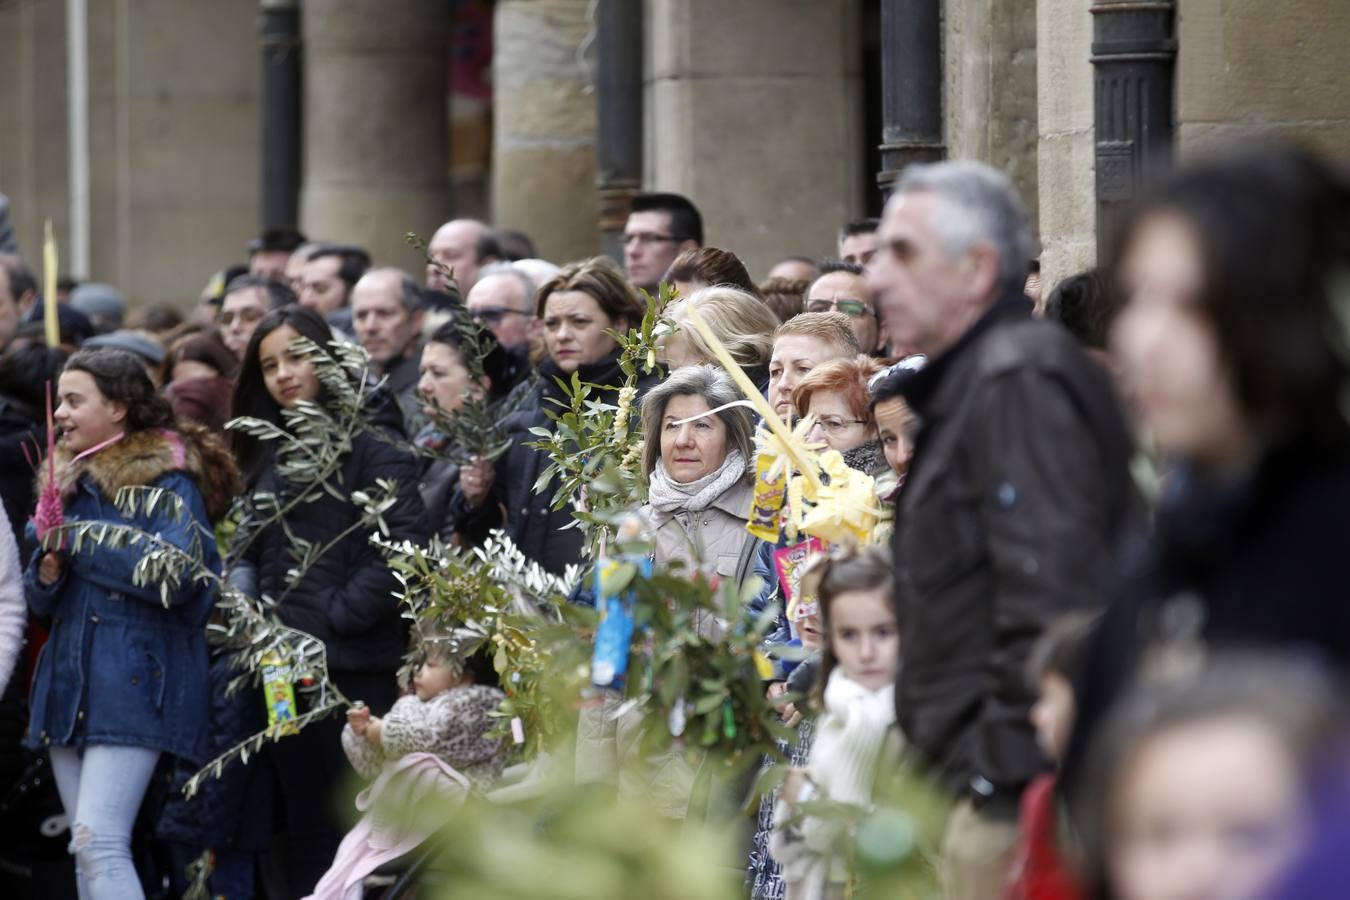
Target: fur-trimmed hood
142 456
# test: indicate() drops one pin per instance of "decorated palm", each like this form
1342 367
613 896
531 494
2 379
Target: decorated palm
49 514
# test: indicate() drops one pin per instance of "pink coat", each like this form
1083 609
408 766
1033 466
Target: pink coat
402 788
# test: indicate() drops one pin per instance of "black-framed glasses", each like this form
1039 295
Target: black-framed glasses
647 237
491 315
854 308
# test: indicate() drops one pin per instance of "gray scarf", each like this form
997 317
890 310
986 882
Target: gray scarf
667 495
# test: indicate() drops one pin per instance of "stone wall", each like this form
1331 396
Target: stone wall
753 111
1250 67
543 167
173 138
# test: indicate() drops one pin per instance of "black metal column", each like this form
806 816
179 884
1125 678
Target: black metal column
279 35
618 107
1134 53
911 86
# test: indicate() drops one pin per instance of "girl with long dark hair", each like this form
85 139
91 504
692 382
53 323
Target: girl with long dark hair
1230 338
345 595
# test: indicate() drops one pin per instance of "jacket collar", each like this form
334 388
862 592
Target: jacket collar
144 456
922 390
401 373
604 372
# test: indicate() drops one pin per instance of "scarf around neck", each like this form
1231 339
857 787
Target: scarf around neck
667 495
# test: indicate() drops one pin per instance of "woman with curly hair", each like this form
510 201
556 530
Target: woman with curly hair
123 678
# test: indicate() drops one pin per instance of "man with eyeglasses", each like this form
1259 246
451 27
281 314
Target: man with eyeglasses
842 287
502 301
247 299
660 227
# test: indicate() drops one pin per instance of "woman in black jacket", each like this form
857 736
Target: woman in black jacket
345 596
1234 358
578 307
454 487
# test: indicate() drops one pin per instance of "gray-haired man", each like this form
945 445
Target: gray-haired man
1018 489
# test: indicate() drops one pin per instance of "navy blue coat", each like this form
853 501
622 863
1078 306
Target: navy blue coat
120 667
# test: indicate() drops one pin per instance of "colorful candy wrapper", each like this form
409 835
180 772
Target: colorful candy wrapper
789 562
279 693
770 492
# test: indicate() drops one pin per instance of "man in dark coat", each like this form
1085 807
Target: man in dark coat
1017 491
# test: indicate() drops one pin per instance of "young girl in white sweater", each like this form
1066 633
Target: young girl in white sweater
856 691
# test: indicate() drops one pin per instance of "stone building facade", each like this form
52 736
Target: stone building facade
765 112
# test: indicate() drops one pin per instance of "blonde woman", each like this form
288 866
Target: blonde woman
742 322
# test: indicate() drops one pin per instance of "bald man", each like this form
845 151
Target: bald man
463 246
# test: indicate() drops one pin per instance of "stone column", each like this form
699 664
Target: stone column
375 129
911 86
543 161
279 108
1065 170
754 113
991 99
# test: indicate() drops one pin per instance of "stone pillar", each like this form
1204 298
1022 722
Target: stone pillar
543 172
991 103
1247 67
1065 170
375 129
279 107
754 112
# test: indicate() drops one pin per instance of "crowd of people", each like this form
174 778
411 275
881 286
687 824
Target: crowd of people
1098 607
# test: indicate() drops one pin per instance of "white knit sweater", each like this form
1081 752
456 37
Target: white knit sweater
13 612
848 741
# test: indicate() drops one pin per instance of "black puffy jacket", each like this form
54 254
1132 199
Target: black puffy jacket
536 528
20 426
346 597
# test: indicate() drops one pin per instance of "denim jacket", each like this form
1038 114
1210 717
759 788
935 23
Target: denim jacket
120 666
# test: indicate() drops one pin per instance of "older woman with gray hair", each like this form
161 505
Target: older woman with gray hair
699 461
700 486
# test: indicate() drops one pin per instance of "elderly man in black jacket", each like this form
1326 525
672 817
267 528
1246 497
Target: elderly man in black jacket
1018 488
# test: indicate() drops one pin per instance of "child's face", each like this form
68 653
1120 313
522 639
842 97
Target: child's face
432 678
864 637
809 629
1052 715
1204 810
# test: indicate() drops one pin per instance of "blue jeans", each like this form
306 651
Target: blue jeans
101 788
